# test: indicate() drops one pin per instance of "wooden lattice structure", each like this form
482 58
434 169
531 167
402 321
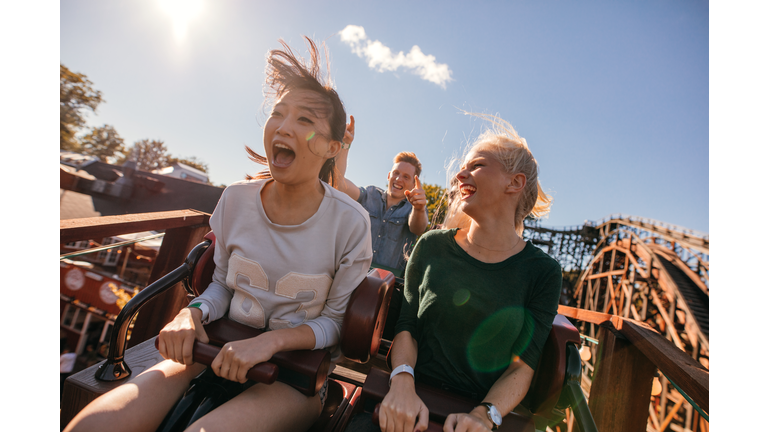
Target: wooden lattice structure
572 247
657 274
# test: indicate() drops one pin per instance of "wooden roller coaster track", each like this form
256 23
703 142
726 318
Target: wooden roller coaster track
651 272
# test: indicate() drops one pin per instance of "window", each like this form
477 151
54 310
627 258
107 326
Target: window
109 257
69 315
79 320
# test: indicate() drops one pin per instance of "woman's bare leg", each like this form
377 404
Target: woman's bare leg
263 408
141 403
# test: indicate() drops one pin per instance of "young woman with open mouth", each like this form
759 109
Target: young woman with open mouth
290 249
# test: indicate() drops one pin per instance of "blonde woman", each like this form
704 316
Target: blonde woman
479 301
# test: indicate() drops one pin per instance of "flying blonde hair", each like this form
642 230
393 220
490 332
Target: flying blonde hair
512 151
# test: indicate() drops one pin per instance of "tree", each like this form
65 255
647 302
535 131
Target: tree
149 155
104 143
76 96
437 202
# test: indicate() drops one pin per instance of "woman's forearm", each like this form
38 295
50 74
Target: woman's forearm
404 350
402 409
344 184
290 339
509 390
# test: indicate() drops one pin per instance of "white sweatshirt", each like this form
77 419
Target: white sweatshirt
281 276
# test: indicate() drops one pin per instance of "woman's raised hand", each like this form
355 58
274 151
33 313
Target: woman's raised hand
401 407
349 132
177 338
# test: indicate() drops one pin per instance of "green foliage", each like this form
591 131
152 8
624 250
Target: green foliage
149 155
76 96
437 202
104 143
152 155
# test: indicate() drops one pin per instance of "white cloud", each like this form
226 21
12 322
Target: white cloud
381 58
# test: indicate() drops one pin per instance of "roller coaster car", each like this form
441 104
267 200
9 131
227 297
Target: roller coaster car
305 370
556 385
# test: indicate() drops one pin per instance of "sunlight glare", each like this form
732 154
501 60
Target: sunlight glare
181 12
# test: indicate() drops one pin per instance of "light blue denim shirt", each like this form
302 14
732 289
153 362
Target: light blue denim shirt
391 237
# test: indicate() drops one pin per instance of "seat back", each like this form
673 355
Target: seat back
202 273
549 378
366 315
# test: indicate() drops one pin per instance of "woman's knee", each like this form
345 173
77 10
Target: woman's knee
140 403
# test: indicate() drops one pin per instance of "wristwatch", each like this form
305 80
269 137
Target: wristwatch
493 415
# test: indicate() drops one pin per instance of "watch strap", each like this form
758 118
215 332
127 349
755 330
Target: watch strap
489 406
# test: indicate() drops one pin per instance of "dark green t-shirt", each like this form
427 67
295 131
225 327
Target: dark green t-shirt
471 318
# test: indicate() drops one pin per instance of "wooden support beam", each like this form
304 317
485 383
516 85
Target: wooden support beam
671 414
629 291
605 274
670 323
610 298
589 316
595 301
654 420
621 385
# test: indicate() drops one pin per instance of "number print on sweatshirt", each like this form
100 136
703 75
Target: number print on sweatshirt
246 308
292 284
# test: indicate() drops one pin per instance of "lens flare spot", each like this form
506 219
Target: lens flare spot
500 339
461 297
310 135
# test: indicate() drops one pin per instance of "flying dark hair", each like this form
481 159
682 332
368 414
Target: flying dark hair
286 71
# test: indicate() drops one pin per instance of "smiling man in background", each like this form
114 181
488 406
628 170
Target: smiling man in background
398 215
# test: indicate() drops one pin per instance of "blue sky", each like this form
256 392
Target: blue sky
612 97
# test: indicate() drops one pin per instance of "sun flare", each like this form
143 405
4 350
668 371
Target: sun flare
182 13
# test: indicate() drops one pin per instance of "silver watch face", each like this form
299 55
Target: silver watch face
495 416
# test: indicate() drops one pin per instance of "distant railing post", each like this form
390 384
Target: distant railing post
178 242
621 385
